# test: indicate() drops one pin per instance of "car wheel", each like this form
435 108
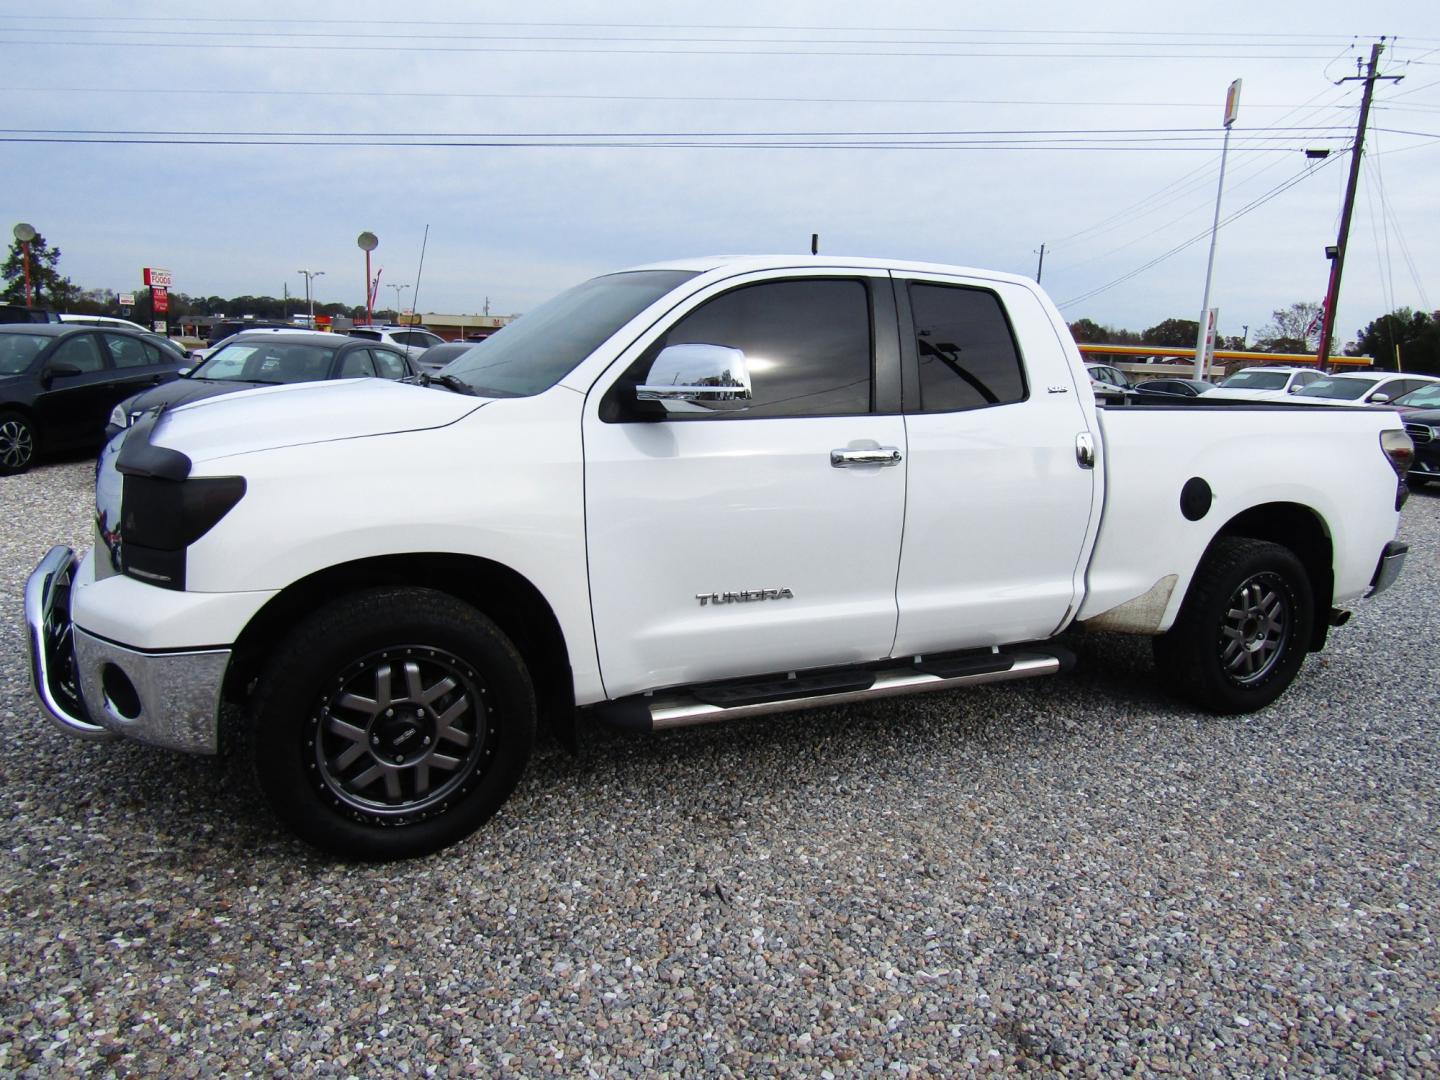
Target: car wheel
17 443
1243 629
392 723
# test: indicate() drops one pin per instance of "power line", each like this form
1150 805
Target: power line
1254 204
180 92
942 52
188 19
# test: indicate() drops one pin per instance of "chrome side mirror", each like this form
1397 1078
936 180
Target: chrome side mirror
1294 388
697 373
1380 398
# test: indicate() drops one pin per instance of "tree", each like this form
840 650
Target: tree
46 283
1177 333
1295 329
1414 333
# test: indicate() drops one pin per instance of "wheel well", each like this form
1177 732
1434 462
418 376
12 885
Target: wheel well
507 597
1303 531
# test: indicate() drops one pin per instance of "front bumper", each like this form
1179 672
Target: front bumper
93 688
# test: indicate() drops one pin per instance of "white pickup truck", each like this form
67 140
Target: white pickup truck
677 494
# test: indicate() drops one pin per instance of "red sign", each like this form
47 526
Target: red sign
162 300
155 276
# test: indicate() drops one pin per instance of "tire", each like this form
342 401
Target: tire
18 443
1243 630
369 762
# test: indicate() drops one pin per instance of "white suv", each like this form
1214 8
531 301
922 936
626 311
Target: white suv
410 340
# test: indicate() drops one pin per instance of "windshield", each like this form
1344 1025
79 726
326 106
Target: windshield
1339 389
1257 380
540 348
17 351
1427 397
267 362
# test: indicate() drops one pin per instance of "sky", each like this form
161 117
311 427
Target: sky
583 137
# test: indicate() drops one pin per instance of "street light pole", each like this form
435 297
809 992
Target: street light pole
398 289
1203 340
309 296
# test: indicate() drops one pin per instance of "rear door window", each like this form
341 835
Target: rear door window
83 351
967 354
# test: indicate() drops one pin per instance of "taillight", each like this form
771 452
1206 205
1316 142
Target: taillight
1399 448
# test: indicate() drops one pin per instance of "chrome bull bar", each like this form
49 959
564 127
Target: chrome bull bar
53 675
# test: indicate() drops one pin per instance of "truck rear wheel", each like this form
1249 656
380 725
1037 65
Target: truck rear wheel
392 723
1243 629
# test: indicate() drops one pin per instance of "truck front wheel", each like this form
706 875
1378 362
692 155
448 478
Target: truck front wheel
391 723
1243 629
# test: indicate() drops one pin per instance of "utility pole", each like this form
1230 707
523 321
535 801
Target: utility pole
1041 268
1337 265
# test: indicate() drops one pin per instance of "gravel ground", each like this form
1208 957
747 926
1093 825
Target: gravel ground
1071 876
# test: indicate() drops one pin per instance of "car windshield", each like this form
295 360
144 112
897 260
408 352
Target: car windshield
1427 397
1339 389
267 362
1257 380
18 351
540 348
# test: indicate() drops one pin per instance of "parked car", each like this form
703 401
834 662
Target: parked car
265 358
1111 385
1363 388
59 382
675 495
19 313
437 356
1185 388
1427 397
411 340
1265 383
1423 427
219 331
82 319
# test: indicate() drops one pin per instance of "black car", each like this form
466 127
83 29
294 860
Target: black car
1423 427
437 356
1186 388
269 358
58 383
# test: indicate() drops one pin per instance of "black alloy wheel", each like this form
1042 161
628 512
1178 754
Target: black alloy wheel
1243 629
391 723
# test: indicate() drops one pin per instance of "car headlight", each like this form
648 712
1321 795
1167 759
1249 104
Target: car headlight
118 417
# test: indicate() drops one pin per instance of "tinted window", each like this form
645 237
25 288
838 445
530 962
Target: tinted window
128 352
17 351
966 352
273 362
389 365
82 350
356 364
807 345
368 335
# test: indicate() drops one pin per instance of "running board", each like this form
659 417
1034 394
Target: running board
697 705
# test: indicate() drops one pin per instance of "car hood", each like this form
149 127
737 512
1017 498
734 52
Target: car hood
182 392
298 414
1421 416
1237 393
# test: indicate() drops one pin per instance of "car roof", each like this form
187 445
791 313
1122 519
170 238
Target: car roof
51 329
1280 368
291 337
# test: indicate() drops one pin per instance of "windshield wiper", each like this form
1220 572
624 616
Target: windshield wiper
450 382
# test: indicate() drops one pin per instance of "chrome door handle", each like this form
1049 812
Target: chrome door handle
880 455
1085 450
